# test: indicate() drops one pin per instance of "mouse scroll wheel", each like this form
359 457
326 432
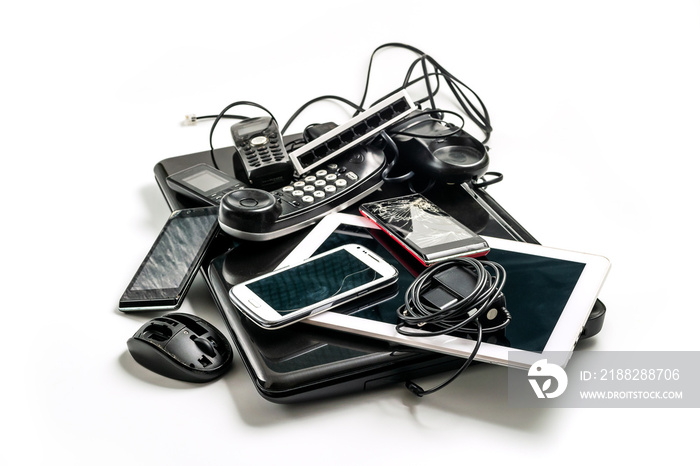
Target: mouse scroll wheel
206 346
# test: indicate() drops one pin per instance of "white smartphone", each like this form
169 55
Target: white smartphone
317 284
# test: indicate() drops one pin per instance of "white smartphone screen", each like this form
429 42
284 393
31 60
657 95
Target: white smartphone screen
312 282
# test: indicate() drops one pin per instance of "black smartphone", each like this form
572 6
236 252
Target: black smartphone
163 278
425 230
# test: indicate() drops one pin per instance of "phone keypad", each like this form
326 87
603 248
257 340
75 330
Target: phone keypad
263 149
318 186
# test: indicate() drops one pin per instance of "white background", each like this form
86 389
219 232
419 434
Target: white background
595 107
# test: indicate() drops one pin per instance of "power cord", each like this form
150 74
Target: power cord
192 119
476 113
449 297
419 391
468 101
222 114
420 116
313 101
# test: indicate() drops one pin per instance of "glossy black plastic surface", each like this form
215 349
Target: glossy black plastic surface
166 273
182 347
261 159
306 363
249 210
348 178
454 158
204 183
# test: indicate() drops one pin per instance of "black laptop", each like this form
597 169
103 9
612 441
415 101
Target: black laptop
304 362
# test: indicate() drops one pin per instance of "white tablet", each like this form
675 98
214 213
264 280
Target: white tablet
549 293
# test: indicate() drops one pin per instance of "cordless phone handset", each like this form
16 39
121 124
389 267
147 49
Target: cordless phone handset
261 159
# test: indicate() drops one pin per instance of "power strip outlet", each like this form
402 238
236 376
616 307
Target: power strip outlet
357 129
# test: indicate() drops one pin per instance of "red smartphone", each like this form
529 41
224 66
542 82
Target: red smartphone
429 233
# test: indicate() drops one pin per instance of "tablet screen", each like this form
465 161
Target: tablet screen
537 288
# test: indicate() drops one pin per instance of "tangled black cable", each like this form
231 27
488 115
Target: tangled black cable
469 102
457 316
222 114
417 318
475 111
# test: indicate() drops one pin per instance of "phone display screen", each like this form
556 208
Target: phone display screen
426 227
205 180
173 253
251 127
170 265
419 221
312 282
429 232
537 288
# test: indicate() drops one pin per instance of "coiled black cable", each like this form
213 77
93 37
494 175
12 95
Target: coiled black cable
469 102
459 315
418 318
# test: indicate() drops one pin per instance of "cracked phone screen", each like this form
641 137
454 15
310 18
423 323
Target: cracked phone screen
312 282
421 222
174 251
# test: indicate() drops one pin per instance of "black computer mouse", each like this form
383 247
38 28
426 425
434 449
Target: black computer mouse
182 347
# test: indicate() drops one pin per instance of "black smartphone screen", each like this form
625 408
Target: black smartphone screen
169 267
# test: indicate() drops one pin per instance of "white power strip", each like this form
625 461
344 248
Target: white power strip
354 131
